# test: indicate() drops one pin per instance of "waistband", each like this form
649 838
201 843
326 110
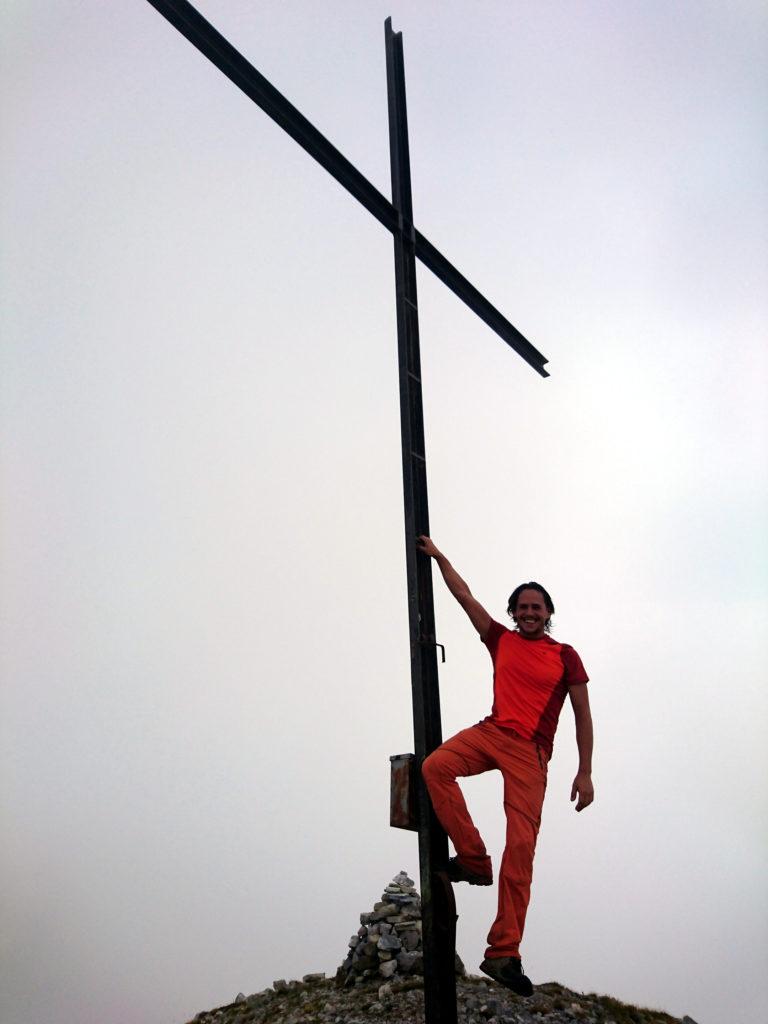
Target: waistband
542 751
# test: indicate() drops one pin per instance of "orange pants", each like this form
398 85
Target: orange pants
523 766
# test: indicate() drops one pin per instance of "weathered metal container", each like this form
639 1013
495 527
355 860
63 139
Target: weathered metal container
402 792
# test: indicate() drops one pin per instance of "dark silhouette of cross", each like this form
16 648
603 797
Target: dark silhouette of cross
438 907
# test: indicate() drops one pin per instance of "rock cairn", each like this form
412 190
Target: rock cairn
387 945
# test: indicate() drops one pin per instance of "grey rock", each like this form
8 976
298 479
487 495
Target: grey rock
403 899
390 942
388 968
240 997
402 926
366 963
280 986
406 960
410 913
383 910
313 979
385 991
688 1020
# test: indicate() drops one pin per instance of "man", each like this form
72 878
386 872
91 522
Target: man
532 676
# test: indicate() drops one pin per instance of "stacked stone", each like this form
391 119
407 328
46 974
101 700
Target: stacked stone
388 941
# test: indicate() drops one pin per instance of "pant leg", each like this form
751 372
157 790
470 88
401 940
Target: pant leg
524 769
463 755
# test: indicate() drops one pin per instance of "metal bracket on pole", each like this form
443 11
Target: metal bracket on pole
429 642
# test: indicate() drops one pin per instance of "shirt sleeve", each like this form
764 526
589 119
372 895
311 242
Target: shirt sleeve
495 632
574 670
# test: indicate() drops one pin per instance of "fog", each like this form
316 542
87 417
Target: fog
205 643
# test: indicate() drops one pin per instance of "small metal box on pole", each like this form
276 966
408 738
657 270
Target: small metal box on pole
402 792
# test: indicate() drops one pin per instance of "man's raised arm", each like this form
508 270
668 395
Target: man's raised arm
479 617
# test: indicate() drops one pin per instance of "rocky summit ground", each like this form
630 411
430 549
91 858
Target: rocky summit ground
318 1000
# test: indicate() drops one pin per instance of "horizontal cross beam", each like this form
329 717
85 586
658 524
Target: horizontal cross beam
183 16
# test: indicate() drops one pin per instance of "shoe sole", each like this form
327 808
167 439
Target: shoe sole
472 880
467 876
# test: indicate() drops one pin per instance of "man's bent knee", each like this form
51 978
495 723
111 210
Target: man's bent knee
434 767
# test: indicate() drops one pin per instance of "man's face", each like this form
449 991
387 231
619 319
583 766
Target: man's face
531 614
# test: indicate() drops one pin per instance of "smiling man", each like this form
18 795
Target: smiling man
532 675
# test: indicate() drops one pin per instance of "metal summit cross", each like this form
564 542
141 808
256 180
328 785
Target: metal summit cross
438 907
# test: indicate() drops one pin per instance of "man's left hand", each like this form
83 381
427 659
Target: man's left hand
583 788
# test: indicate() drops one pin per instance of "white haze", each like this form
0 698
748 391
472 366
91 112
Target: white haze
205 651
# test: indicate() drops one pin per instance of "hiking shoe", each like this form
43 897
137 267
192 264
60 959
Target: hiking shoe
508 971
458 873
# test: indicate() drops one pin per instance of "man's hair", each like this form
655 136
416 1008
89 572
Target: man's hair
515 596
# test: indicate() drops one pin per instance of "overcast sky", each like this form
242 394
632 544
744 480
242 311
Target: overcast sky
205 642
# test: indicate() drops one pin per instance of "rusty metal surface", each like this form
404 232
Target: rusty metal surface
402 792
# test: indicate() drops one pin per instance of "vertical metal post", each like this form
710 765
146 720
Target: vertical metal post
438 907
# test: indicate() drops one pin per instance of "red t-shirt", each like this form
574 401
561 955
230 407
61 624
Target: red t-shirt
530 682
